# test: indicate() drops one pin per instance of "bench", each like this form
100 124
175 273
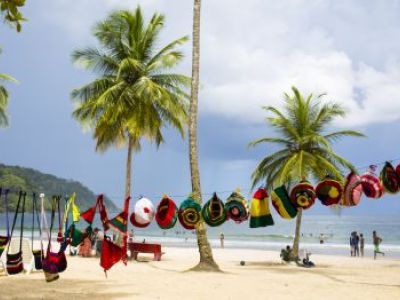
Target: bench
137 248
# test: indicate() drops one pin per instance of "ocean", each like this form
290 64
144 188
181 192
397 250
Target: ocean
335 229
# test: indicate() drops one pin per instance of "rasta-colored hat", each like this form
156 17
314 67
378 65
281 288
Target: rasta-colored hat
260 215
143 213
236 207
166 213
281 201
329 191
303 195
189 213
389 178
371 185
213 211
352 190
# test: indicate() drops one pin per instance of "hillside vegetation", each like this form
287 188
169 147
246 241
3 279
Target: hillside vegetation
18 178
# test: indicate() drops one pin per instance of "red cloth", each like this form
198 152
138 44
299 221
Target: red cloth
88 215
110 254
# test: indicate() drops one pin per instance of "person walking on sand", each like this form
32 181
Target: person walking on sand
362 241
221 238
376 240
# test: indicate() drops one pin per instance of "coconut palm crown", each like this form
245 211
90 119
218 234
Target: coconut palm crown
305 143
136 94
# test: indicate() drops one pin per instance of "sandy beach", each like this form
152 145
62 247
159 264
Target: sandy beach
262 277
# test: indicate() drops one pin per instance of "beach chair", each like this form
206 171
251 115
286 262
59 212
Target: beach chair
27 256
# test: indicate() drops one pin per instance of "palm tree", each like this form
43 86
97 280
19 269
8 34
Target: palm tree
306 146
136 94
207 262
4 98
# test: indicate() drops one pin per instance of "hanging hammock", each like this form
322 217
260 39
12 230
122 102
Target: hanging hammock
303 195
282 204
389 178
49 269
260 215
54 262
189 213
236 207
371 185
329 191
143 213
4 239
352 190
166 213
213 212
37 254
15 264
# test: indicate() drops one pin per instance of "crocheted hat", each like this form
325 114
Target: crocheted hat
213 211
371 185
329 191
352 190
166 213
260 215
303 195
143 213
282 204
389 178
189 213
236 207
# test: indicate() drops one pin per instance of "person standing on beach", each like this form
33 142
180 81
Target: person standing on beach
221 238
376 240
352 247
356 244
362 244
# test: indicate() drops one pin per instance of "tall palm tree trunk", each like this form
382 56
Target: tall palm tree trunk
128 176
207 262
296 241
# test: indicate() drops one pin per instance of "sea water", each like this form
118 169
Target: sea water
335 230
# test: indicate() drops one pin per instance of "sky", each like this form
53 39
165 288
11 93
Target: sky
251 53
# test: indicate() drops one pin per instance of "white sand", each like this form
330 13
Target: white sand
263 277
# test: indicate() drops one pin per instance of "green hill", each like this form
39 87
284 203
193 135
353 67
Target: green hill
18 178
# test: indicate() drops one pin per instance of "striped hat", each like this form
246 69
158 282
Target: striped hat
166 213
303 195
189 213
236 207
389 178
281 201
260 215
329 191
143 213
213 211
352 190
371 185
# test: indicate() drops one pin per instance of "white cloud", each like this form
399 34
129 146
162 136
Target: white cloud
253 51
